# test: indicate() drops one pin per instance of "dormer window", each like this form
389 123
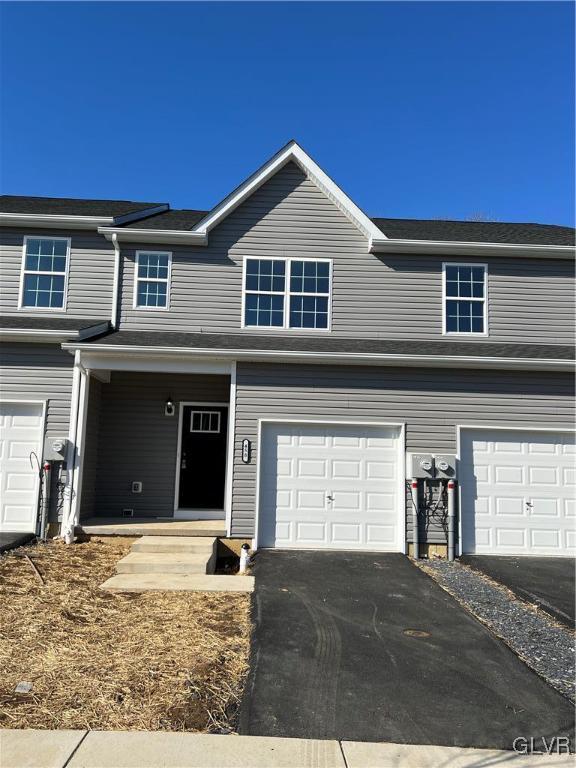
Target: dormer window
152 280
287 293
465 299
44 273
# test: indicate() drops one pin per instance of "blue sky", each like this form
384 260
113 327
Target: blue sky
426 110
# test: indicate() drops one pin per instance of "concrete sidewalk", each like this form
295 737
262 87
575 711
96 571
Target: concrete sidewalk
142 749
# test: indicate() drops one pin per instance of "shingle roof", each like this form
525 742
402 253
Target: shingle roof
260 343
476 231
402 229
77 327
171 220
66 206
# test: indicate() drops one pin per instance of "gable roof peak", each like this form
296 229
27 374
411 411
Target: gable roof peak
292 152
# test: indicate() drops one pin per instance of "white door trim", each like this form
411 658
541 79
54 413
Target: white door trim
503 428
401 489
44 415
192 514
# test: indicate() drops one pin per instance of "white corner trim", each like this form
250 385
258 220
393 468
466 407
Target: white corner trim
292 152
452 248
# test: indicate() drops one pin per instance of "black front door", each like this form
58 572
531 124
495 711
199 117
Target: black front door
203 457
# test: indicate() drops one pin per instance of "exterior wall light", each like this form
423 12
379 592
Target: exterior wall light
169 408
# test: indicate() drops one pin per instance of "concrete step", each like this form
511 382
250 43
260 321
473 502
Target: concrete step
177 582
175 544
152 526
166 562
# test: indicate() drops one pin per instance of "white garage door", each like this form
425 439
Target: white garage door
21 431
517 492
327 486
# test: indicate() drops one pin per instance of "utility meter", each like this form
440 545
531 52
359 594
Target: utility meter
445 467
422 466
55 448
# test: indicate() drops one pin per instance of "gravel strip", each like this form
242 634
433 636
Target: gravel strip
544 645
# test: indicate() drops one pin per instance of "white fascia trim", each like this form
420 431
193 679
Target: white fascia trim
449 247
25 334
60 221
437 361
292 152
171 236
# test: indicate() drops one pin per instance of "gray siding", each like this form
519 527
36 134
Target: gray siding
40 372
430 402
138 442
90 277
373 296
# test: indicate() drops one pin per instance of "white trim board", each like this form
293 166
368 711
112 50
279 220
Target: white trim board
119 357
401 488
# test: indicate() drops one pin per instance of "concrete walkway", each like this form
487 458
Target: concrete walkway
142 749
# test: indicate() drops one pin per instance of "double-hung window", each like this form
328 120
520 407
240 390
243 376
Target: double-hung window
44 273
465 298
287 293
152 282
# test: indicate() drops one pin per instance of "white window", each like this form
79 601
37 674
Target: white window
287 293
152 280
465 299
44 273
205 421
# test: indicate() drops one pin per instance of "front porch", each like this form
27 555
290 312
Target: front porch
154 447
144 526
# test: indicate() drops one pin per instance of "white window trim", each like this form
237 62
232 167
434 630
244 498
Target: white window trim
445 298
286 293
24 271
205 431
167 280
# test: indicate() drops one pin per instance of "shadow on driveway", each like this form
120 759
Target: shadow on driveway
331 659
546 581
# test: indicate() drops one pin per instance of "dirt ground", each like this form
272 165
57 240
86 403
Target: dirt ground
100 660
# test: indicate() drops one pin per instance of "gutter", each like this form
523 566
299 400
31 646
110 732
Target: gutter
173 236
450 247
45 334
350 358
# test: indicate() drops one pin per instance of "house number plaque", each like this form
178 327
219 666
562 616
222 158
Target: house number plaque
246 451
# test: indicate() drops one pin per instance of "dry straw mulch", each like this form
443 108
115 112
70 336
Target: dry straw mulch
156 661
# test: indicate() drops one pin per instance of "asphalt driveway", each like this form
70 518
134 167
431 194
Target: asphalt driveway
339 652
546 581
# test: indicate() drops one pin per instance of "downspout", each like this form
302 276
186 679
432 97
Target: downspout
451 518
415 532
116 283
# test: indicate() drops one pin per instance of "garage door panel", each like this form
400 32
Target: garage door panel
21 433
329 486
517 492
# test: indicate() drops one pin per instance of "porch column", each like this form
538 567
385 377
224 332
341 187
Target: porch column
76 441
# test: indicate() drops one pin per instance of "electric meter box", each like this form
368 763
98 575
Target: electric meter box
422 466
55 448
445 467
